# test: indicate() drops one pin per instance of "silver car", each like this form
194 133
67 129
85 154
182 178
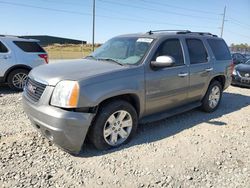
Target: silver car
17 57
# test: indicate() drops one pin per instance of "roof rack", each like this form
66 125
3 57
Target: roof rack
182 32
177 31
205 33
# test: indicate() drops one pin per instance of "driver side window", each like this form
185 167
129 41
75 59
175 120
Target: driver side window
171 47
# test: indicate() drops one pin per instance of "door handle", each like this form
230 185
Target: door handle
6 57
209 69
183 74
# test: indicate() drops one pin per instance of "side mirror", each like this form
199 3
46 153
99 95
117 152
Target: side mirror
163 61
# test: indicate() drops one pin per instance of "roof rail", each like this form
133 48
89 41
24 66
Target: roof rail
177 31
205 33
1 35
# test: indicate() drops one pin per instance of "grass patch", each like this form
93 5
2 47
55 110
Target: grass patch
68 51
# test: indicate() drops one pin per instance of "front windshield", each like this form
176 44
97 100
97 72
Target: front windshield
124 50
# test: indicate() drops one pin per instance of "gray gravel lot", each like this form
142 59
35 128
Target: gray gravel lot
193 149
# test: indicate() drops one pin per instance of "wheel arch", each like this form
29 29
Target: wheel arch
219 78
7 73
133 99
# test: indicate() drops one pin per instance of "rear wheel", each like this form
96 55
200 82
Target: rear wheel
17 79
115 124
212 98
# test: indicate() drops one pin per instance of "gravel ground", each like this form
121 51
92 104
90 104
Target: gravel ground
193 149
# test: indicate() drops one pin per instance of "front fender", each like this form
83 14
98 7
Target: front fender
93 94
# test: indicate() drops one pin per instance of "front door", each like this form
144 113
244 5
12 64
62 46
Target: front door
167 87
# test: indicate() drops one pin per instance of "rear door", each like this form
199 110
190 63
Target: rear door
200 68
30 53
167 87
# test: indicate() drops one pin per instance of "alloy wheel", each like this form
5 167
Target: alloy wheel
19 80
214 96
117 128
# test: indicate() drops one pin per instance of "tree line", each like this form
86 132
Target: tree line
240 47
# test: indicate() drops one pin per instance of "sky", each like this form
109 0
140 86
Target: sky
73 18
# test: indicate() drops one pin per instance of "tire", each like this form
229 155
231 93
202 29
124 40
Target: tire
17 78
107 119
207 104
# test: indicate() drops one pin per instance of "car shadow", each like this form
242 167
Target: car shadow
4 89
240 86
156 131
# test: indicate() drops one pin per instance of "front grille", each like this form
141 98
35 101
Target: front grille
244 73
34 89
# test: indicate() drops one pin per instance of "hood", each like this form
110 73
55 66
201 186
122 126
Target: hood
243 68
76 70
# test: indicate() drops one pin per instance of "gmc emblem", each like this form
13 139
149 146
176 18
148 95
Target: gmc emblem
31 88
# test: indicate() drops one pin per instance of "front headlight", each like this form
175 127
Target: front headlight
234 72
65 94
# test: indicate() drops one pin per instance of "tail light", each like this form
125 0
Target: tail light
45 57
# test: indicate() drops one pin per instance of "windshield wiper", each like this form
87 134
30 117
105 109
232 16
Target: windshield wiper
90 57
111 60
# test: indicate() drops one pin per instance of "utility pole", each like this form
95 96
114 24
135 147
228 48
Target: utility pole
223 21
93 34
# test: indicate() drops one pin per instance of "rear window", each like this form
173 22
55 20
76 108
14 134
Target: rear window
29 46
219 49
3 48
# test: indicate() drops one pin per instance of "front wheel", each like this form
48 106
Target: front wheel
17 79
212 98
114 125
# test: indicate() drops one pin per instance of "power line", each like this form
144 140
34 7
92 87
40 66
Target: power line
244 36
101 16
45 8
178 7
137 7
239 23
155 10
79 4
112 10
64 2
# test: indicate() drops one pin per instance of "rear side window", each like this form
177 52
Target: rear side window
197 51
219 49
171 47
3 48
29 46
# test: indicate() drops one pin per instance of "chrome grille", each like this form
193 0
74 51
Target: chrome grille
34 89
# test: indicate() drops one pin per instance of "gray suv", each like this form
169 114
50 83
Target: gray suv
130 79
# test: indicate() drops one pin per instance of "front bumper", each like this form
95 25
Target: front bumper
238 81
65 128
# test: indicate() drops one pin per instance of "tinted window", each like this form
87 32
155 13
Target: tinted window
3 48
197 51
171 48
29 46
219 49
